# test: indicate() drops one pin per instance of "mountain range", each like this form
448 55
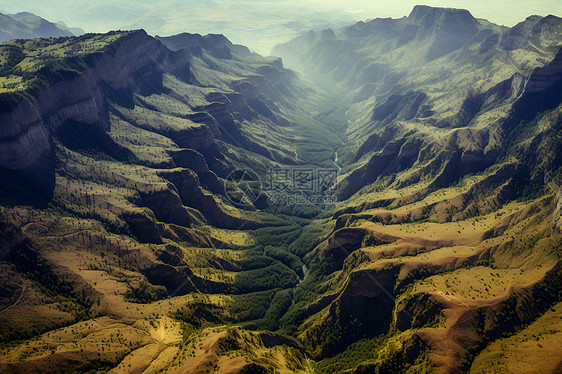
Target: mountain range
128 243
25 25
259 25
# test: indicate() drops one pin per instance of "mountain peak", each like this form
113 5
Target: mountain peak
216 44
328 34
28 26
426 15
27 14
448 27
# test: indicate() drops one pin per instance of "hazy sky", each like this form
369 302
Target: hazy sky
258 24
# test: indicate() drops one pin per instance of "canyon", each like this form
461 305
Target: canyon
123 248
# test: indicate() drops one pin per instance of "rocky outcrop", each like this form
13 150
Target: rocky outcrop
22 130
181 280
143 226
166 205
235 102
215 44
188 186
338 247
350 316
345 241
402 107
224 120
543 91
396 155
191 159
448 29
196 137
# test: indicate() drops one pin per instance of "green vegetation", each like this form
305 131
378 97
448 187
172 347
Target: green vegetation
26 64
361 352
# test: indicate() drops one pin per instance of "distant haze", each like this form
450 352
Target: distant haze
257 24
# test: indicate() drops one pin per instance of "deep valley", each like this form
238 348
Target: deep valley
140 230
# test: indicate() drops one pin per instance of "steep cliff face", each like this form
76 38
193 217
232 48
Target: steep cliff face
546 77
542 91
218 45
363 309
27 127
25 138
448 29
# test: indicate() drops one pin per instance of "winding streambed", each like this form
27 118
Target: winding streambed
336 159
